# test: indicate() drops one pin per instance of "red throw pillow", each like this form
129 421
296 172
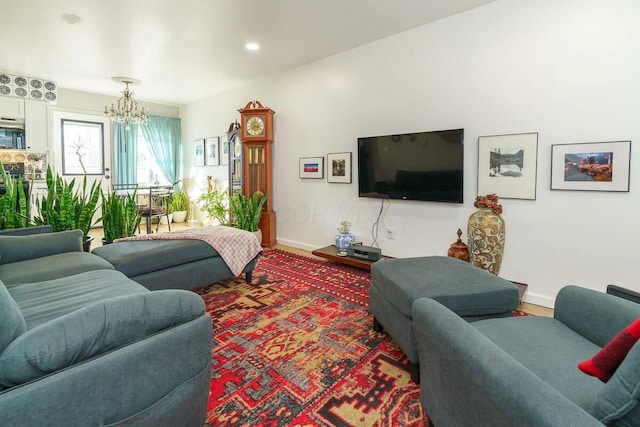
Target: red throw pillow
607 360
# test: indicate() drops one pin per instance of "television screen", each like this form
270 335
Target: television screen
412 166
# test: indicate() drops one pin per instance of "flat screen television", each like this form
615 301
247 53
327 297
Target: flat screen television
412 166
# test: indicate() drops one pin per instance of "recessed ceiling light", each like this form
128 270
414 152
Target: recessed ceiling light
252 46
70 18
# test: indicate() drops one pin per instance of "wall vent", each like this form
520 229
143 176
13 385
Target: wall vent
28 87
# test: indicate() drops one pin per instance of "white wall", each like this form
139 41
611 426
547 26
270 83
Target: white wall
567 69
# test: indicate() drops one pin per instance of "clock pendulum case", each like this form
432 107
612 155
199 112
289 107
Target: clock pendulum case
257 162
234 142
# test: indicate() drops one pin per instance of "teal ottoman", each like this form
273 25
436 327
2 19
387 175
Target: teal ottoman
468 291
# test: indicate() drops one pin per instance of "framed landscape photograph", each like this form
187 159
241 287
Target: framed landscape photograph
311 167
212 152
591 166
339 167
198 152
508 165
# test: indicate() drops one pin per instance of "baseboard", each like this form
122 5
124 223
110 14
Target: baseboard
537 299
298 245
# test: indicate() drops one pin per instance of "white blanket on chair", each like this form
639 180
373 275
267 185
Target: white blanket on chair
236 247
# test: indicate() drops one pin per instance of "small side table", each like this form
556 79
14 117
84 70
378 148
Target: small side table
331 253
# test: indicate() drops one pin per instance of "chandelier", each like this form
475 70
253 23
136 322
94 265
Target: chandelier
126 110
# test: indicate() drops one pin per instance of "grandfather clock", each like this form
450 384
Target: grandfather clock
234 142
257 162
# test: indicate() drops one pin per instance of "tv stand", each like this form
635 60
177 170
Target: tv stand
331 253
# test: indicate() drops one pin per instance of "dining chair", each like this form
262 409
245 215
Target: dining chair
158 205
123 190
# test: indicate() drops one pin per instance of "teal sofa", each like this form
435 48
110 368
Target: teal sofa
523 370
83 345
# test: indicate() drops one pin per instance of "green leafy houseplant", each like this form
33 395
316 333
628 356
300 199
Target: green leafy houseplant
215 204
14 204
247 211
66 207
120 216
179 202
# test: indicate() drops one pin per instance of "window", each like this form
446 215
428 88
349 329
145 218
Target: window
148 170
82 148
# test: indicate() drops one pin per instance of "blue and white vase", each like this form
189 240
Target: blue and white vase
343 240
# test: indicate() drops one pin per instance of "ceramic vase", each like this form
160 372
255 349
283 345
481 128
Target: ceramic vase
179 216
486 233
343 240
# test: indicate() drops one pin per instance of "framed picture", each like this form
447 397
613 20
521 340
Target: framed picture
591 166
198 152
224 151
311 167
508 165
211 151
339 167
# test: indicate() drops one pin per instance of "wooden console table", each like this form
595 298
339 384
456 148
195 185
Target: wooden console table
331 253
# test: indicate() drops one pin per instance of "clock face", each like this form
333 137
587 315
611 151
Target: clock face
237 147
255 125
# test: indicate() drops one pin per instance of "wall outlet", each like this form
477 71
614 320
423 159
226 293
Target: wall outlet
390 233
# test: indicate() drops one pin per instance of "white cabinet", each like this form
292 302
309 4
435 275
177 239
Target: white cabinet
11 108
36 125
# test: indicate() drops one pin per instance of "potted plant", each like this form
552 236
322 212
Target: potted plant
247 211
344 238
178 206
66 207
215 204
14 204
120 216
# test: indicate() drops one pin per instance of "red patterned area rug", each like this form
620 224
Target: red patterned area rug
296 348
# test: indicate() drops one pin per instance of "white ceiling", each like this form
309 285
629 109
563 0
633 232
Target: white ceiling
187 50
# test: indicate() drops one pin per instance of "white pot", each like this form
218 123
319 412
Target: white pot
258 235
179 216
163 219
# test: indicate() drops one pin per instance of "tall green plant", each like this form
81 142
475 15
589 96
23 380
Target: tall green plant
120 216
215 204
179 201
247 211
14 204
67 208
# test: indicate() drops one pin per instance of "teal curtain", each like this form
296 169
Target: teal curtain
125 141
163 136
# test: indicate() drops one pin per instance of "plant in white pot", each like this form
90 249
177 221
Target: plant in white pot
178 206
